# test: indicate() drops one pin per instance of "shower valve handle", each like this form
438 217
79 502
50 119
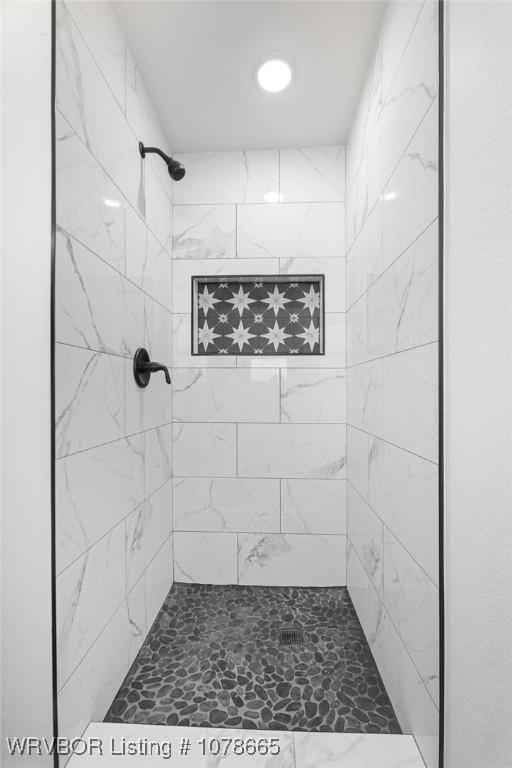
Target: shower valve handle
143 368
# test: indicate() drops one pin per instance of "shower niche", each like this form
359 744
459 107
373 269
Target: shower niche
258 315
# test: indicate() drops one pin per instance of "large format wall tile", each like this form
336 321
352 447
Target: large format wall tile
157 332
89 692
411 93
158 207
392 408
227 475
367 114
403 490
84 98
410 199
366 534
292 450
204 231
315 396
313 506
412 703
358 447
205 558
228 177
226 504
89 206
395 398
204 450
88 593
113 294
95 490
412 601
143 119
397 28
158 579
146 528
226 395
364 259
298 230
291 560
402 304
148 263
96 307
157 274
100 30
157 457
149 407
313 174
89 399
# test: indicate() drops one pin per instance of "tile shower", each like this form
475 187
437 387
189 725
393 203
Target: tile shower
275 490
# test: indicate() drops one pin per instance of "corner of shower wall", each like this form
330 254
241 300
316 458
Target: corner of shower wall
392 335
113 294
260 441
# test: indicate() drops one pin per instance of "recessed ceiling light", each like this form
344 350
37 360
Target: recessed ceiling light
274 75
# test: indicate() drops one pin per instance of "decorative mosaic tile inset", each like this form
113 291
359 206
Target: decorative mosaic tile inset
213 657
255 315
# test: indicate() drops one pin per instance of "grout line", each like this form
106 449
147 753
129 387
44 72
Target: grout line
236 231
266 423
392 354
395 445
265 479
257 532
116 440
244 203
236 450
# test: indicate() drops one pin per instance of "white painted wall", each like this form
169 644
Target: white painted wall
478 384
25 60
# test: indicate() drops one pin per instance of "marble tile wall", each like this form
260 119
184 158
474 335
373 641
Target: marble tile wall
113 294
392 335
260 442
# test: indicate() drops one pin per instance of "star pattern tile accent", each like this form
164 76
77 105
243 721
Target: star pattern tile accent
258 315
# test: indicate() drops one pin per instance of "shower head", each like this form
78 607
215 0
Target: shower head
176 170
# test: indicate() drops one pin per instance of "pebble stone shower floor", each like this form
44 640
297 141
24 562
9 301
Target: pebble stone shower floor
213 658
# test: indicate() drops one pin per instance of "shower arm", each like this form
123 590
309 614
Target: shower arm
147 150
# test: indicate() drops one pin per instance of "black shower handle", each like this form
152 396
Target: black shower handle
143 368
153 368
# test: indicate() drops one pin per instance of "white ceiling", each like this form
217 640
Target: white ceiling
198 60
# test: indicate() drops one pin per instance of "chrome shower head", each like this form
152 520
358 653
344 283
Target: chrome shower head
176 170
